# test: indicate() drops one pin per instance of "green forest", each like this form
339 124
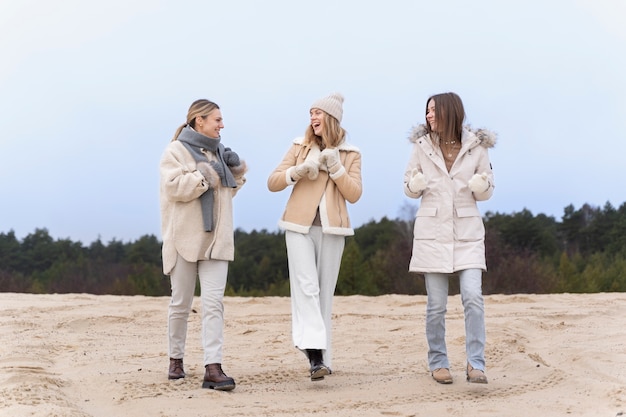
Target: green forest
583 252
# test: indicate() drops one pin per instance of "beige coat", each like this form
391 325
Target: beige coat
181 215
449 233
329 192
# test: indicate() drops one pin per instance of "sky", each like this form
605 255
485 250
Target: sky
92 92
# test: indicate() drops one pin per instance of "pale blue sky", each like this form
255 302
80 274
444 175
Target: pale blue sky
92 92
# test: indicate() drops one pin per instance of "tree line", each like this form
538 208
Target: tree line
583 252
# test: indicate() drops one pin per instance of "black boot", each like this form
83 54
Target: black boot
318 369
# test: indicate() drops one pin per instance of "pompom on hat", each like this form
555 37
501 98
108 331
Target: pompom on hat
333 105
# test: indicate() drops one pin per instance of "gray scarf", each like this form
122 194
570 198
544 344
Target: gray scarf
195 143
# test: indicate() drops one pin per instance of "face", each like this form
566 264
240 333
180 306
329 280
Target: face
430 115
317 121
211 124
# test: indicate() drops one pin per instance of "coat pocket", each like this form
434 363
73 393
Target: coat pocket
469 224
426 225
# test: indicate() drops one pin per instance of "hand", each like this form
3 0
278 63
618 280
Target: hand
231 158
418 182
211 176
308 168
330 157
219 168
479 183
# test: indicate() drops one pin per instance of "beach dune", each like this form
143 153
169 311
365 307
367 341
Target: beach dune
79 355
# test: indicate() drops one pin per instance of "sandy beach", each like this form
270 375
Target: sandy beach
78 355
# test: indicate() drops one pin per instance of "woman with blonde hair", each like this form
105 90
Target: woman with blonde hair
324 172
449 170
199 178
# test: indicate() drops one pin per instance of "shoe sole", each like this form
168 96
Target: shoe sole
222 386
479 380
318 374
443 381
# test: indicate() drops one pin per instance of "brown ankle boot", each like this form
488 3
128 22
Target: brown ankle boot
176 369
215 378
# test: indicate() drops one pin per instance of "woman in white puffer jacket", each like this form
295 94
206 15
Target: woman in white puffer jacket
449 169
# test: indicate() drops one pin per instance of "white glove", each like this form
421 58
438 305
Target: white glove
330 158
209 173
418 182
479 183
308 168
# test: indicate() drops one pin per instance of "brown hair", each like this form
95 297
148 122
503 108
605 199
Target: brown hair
449 115
202 108
332 135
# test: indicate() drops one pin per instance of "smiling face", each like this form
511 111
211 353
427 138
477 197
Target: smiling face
317 121
430 115
211 124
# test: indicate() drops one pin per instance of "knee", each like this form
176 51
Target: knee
473 299
437 302
309 287
436 307
212 301
179 310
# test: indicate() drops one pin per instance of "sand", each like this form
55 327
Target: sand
84 355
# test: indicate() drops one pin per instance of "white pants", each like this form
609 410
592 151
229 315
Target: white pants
314 260
212 275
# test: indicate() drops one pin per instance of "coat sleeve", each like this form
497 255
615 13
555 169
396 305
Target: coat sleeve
239 172
412 164
178 181
484 166
349 182
279 179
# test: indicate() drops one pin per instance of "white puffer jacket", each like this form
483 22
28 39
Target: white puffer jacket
449 234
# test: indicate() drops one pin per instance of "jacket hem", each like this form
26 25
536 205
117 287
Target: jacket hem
293 227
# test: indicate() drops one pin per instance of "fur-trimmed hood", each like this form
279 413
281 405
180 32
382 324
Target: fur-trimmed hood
486 137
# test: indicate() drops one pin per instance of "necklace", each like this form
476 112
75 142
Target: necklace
449 149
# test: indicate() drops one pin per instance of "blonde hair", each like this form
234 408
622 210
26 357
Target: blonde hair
332 134
202 108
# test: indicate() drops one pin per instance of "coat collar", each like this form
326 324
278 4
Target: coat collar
344 146
470 139
482 137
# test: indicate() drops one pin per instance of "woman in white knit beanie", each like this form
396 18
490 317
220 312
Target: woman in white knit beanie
325 172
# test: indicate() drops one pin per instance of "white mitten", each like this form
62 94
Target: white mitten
209 173
418 182
330 158
308 168
479 183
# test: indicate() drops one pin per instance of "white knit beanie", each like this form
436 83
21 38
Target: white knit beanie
333 105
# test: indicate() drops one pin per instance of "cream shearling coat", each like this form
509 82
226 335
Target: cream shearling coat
328 191
449 232
182 229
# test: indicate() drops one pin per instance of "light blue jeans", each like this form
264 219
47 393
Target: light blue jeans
474 308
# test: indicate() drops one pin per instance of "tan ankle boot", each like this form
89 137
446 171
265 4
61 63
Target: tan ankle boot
442 375
475 376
